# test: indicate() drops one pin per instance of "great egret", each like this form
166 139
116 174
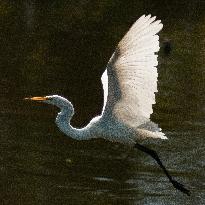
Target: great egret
129 83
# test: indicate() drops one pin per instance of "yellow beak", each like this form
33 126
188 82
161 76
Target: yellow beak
37 98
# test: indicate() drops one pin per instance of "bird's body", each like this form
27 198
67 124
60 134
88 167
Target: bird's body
129 84
100 127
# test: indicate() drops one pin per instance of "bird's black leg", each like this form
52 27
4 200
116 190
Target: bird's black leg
153 154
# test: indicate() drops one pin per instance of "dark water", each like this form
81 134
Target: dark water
62 47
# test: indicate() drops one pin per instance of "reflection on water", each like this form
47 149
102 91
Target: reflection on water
62 48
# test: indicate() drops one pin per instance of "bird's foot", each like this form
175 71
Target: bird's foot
180 187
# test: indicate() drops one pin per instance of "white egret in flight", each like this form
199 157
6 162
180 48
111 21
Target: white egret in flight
129 84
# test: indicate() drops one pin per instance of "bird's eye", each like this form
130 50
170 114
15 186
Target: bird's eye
49 98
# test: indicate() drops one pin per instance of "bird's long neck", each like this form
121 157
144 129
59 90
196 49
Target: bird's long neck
63 122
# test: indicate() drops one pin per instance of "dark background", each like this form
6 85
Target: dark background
62 47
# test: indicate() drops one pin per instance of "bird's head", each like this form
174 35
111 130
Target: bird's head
56 100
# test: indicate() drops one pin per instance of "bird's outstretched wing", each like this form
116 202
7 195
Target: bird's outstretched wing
130 79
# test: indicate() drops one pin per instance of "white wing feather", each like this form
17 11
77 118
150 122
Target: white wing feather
130 80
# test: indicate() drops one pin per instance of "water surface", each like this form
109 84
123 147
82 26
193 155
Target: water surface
62 47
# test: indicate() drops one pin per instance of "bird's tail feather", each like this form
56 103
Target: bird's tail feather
150 129
143 133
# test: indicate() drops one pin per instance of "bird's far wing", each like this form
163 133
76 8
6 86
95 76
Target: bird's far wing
130 80
104 80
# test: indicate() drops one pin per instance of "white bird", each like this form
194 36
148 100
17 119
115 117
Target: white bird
129 84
